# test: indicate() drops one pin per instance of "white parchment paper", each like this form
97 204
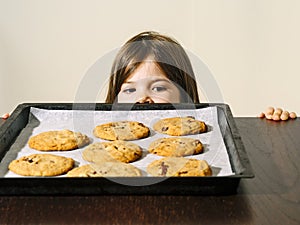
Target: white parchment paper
215 152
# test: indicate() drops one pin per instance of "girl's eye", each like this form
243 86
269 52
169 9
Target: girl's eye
129 90
159 88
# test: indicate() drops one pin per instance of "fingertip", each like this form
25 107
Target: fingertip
284 116
261 115
292 115
5 116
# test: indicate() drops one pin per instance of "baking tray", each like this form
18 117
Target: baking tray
214 185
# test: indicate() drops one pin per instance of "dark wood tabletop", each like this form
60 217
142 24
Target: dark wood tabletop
272 197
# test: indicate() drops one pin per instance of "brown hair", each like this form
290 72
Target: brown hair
168 54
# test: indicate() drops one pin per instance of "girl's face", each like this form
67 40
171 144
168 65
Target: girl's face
148 84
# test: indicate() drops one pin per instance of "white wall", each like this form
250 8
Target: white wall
251 47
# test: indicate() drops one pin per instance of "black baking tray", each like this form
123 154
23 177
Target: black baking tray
214 185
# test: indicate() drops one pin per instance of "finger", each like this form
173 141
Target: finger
270 110
292 115
285 115
5 116
269 116
277 114
278 111
261 115
269 113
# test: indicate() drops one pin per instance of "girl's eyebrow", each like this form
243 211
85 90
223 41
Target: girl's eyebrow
161 79
152 81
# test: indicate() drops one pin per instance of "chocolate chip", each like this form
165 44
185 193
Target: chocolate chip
164 128
191 117
197 142
182 172
164 169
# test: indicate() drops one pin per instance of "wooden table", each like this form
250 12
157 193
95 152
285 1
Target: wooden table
272 197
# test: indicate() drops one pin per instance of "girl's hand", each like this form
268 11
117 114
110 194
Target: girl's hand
5 116
277 114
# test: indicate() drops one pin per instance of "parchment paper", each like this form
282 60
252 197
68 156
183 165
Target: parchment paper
41 120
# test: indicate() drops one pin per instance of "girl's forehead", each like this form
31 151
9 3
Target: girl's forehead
146 69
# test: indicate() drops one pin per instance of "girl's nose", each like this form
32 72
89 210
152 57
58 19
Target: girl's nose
145 99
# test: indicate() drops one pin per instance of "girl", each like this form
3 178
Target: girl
153 68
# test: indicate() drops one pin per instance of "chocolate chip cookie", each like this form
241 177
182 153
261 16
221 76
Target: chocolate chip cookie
176 146
123 151
41 165
179 166
122 130
179 126
58 140
106 169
